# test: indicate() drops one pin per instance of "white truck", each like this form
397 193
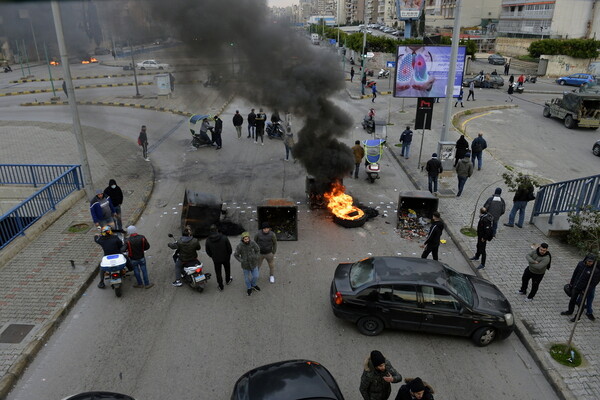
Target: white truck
151 64
314 38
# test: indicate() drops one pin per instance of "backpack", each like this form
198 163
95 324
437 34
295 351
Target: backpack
477 147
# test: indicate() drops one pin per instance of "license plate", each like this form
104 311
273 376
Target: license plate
115 281
199 278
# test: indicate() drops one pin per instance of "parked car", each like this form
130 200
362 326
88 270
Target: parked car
576 79
151 64
496 81
289 380
420 295
99 396
496 59
596 148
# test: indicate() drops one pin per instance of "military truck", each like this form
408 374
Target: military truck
576 109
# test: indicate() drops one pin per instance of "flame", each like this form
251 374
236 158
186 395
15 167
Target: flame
54 63
85 62
341 204
93 59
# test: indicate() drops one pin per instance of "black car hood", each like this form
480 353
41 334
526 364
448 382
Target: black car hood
489 298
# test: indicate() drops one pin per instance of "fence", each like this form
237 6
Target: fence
567 196
59 182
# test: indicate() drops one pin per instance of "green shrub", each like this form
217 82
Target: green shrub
576 48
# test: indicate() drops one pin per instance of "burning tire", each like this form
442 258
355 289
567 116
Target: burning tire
350 223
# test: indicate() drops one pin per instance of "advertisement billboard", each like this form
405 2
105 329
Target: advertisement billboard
422 71
409 9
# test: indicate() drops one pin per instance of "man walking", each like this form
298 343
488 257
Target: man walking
219 249
459 99
506 68
523 195
351 73
579 281
135 246
247 253
539 262
406 140
471 90
374 91
464 170
377 377
432 241
496 207
359 154
477 147
251 124
143 141
267 242
484 235
218 129
238 120
259 121
434 169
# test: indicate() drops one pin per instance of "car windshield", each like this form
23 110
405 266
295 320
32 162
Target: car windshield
362 272
458 284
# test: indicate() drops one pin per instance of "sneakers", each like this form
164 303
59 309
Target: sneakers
249 291
229 280
519 226
591 317
521 292
509 225
149 286
272 279
146 159
480 266
528 299
138 286
256 288
573 319
566 313
474 258
220 288
177 283
101 285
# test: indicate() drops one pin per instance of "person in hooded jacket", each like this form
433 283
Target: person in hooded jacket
102 210
579 281
247 253
377 377
496 207
432 242
267 242
187 247
219 249
114 192
462 147
111 244
464 170
484 235
415 389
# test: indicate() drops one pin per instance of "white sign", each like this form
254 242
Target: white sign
370 54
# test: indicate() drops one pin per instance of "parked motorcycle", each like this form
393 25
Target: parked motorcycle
531 78
200 139
383 73
373 153
518 88
115 265
193 273
275 130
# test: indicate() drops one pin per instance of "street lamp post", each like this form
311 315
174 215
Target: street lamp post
137 90
49 72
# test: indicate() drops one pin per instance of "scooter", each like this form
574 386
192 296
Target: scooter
192 273
518 88
115 265
275 130
383 73
368 124
531 78
200 139
373 153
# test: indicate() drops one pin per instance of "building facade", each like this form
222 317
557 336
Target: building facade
439 14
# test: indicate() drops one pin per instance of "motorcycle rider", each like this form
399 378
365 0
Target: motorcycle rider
187 252
111 244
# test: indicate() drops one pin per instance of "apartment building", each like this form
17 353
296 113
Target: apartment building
439 14
381 12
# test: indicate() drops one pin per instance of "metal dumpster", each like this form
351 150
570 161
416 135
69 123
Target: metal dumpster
282 216
200 211
422 202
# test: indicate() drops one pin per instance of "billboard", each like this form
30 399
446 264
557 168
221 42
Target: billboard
409 9
422 71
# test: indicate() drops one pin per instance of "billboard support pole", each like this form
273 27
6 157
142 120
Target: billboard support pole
451 76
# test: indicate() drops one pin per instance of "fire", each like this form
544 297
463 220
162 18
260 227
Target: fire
341 204
94 60
85 62
54 63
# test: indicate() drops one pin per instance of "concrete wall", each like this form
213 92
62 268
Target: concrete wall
565 65
571 18
513 46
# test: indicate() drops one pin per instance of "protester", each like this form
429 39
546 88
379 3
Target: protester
288 141
114 192
102 210
259 122
459 99
484 235
247 253
462 147
496 207
374 91
377 377
187 247
135 246
267 243
434 169
218 129
251 124
415 389
351 74
477 147
432 241
359 154
579 281
539 262
238 121
523 195
471 90
143 142
406 139
464 170
219 249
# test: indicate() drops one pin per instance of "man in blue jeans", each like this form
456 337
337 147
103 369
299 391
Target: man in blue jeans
434 169
477 147
406 140
523 195
135 246
247 253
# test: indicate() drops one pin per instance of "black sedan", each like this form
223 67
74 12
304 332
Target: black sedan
495 81
419 295
596 148
496 59
289 380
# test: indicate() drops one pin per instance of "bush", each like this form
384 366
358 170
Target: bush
576 48
584 233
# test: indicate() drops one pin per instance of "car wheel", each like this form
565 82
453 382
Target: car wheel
596 150
570 122
495 86
562 83
484 336
546 112
370 326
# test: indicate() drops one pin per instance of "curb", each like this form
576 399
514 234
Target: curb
107 103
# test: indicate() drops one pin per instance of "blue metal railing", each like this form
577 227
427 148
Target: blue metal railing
567 196
67 179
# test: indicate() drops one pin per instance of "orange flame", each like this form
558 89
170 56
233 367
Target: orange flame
54 63
341 204
85 62
93 59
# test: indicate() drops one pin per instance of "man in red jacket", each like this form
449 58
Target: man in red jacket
135 246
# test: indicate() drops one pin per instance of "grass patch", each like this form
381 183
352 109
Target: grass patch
398 145
468 112
527 57
78 228
572 358
468 231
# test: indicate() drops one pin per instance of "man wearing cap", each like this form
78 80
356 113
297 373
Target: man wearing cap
415 389
247 253
539 262
135 246
267 242
496 207
377 377
434 169
579 281
219 249
111 244
102 210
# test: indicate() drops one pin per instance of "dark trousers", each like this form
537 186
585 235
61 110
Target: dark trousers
145 149
432 183
461 184
471 94
356 169
218 270
535 282
217 139
433 249
481 244
574 297
260 131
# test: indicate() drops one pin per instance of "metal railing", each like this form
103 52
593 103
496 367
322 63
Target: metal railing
67 179
567 196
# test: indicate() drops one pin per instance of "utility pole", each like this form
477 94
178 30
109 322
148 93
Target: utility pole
50 72
137 90
64 59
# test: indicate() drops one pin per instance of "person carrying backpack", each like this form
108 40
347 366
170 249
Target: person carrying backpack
485 233
477 147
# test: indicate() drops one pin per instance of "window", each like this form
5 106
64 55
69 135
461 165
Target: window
401 294
362 272
439 299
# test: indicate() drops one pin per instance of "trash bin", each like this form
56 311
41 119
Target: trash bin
163 84
282 216
200 211
422 202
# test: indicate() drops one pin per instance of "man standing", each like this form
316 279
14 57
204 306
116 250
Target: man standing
523 195
363 83
219 249
539 262
115 194
496 207
406 140
484 235
260 120
135 246
188 247
471 90
477 147
217 132
251 124
415 389
247 253
351 73
434 169
374 91
506 68
238 120
143 141
359 154
377 377
579 281
102 210
267 242
464 170
432 241
288 141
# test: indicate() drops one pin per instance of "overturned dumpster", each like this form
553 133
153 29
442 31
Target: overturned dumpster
200 210
415 209
282 216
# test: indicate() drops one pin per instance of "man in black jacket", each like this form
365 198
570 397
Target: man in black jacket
432 242
116 196
111 244
485 233
434 169
251 124
135 246
219 249
187 247
217 132
523 195
238 120
579 281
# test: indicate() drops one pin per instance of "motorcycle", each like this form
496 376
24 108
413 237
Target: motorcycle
383 73
531 78
199 139
115 265
275 130
192 273
352 61
368 124
518 88
373 153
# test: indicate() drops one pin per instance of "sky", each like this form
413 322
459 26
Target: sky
281 3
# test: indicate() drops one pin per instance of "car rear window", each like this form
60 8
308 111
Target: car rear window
361 273
458 284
